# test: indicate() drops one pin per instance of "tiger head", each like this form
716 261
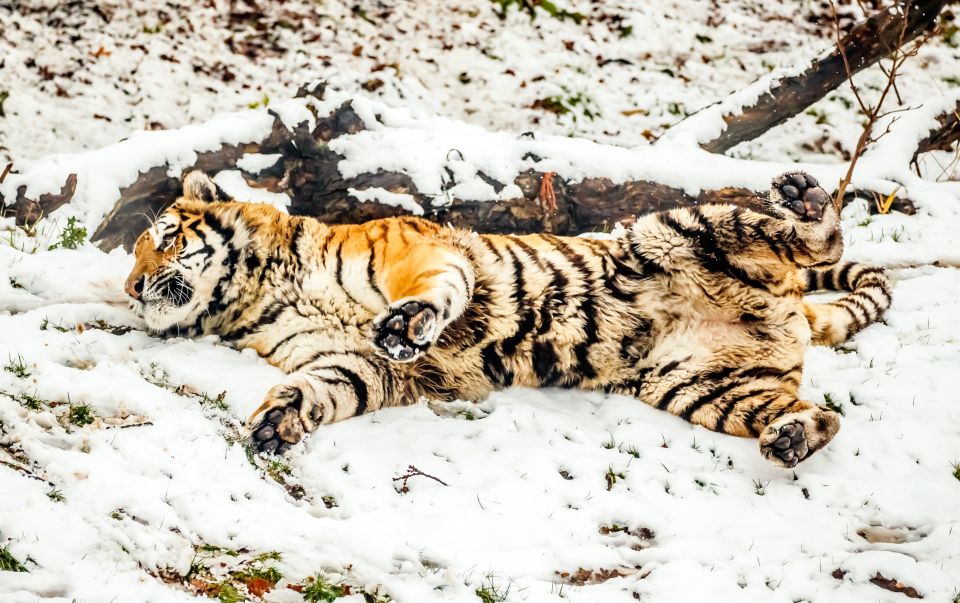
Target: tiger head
182 258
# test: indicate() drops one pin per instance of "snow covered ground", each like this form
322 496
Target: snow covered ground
123 476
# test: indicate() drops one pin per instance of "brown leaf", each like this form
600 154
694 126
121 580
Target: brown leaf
258 586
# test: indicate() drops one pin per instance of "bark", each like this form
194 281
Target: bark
943 138
868 42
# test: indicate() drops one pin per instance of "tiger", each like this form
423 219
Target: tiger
698 311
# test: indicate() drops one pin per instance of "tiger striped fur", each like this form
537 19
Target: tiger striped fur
697 311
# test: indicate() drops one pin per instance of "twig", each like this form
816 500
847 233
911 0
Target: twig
874 112
26 472
6 171
412 471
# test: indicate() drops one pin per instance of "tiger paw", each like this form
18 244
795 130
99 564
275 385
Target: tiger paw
792 438
801 194
283 423
406 330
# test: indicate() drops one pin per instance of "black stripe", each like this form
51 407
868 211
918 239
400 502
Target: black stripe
632 386
712 396
829 280
853 317
867 315
843 277
321 353
697 378
286 339
751 416
527 318
588 308
666 368
556 290
812 284
359 387
731 406
371 274
707 248
466 281
493 367
267 317
545 363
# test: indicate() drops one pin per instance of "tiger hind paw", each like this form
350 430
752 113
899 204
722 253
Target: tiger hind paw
801 194
406 330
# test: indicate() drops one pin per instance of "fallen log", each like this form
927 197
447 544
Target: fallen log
866 43
308 172
943 138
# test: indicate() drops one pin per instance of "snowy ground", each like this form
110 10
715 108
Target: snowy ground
549 495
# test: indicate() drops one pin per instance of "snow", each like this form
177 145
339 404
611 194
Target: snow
542 486
382 195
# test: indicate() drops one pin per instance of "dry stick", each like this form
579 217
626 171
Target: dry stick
6 171
412 471
873 113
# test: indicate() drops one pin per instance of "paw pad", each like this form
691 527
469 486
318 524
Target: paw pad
791 445
280 427
407 330
802 194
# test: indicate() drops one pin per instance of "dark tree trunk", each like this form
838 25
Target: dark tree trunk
868 42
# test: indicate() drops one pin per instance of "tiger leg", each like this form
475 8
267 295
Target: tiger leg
797 227
427 288
752 401
328 385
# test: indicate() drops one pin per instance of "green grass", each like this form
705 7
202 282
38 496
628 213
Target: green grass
56 496
490 593
613 476
833 405
219 402
81 415
317 589
760 488
32 402
229 593
18 367
72 236
956 471
278 470
45 324
9 563
530 7
263 102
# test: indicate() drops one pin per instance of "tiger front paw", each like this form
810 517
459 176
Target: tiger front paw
287 417
801 194
406 330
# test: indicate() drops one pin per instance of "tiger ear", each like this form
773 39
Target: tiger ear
197 186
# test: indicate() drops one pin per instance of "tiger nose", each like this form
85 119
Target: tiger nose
134 287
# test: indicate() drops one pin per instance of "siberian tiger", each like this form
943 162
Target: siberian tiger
698 311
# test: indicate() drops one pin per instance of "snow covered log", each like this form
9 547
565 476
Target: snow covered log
869 41
344 158
310 172
943 138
